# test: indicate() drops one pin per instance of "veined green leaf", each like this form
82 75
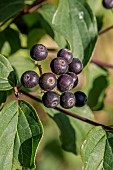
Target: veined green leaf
74 21
20 134
47 11
97 150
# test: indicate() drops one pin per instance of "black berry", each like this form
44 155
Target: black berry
65 82
75 66
51 99
29 79
75 78
66 54
59 66
81 98
108 4
38 52
67 100
47 81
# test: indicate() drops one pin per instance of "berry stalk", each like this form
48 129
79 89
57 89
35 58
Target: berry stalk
39 67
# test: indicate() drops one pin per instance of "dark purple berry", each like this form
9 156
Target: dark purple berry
66 54
75 78
59 66
29 79
47 81
81 98
51 99
107 4
65 82
38 52
67 100
75 66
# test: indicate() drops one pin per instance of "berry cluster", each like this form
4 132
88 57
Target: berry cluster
64 73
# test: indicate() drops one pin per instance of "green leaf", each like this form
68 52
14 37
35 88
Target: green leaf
47 11
29 133
8 8
20 134
78 26
78 17
5 73
98 80
67 139
13 79
21 62
24 168
8 125
72 131
34 36
11 37
97 150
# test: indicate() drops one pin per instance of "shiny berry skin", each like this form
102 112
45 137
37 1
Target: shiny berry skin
107 4
81 98
47 81
38 52
65 82
66 54
75 66
29 79
67 100
59 65
75 78
51 99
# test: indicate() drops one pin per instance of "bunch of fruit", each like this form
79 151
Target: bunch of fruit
64 77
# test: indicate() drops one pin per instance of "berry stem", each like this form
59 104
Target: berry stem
16 92
100 63
106 30
39 68
70 113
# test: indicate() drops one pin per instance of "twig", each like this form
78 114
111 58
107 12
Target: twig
28 10
111 125
70 113
35 6
106 30
100 63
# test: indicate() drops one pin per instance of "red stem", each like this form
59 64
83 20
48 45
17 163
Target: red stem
28 10
70 113
100 63
106 30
